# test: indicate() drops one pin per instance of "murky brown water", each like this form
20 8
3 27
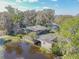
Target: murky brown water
24 51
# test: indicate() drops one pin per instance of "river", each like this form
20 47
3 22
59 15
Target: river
21 51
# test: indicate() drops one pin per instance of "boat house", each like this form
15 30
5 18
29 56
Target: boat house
46 41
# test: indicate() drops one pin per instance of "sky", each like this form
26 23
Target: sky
64 7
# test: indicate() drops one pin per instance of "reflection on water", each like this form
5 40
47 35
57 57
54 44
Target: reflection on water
13 47
34 49
23 51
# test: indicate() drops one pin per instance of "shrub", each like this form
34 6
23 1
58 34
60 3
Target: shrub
71 56
56 50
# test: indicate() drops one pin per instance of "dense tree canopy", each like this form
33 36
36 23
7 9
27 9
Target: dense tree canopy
18 19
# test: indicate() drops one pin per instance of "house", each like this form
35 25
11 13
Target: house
46 41
38 29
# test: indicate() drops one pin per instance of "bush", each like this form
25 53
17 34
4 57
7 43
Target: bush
33 35
71 56
56 50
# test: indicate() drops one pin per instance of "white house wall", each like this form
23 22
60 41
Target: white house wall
46 45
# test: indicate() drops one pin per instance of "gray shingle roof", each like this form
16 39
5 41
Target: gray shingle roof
37 28
47 38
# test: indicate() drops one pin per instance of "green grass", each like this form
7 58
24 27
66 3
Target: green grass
71 56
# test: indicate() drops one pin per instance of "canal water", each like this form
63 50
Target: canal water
21 51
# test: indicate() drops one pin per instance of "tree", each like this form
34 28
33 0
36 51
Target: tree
16 17
45 17
29 17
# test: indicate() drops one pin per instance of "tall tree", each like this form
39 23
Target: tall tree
45 16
